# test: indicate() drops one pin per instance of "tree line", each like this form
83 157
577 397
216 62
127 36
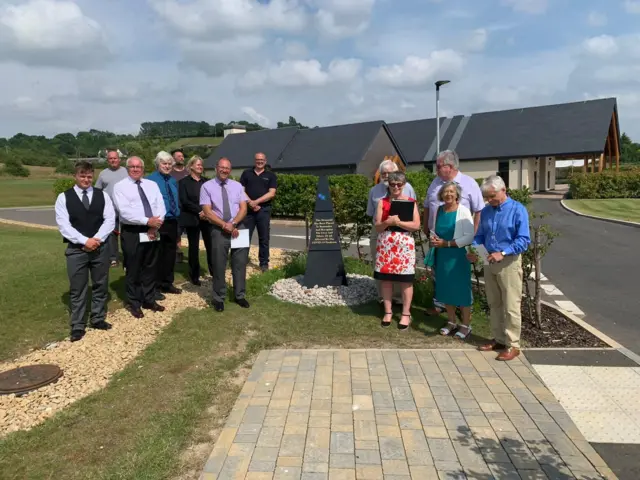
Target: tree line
59 150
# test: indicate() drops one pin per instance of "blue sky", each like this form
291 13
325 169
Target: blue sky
72 65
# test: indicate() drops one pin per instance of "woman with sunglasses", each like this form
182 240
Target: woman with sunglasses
395 251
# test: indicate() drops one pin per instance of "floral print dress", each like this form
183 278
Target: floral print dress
395 252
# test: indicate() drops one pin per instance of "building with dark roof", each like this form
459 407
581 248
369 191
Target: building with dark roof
521 145
353 148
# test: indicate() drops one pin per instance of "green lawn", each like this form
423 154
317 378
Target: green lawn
179 390
195 141
26 192
617 208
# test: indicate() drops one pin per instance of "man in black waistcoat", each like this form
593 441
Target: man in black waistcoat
86 218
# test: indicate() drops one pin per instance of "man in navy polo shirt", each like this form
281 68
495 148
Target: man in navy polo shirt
260 186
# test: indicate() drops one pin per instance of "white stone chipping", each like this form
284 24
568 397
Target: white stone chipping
360 289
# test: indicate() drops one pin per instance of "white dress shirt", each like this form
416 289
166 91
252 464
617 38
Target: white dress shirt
129 204
73 235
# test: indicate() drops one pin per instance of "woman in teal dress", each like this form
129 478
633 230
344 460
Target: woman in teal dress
453 232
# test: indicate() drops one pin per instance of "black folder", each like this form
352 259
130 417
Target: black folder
404 210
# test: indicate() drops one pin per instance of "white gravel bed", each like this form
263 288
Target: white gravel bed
360 289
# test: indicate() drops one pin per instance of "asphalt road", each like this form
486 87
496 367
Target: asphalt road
289 237
596 264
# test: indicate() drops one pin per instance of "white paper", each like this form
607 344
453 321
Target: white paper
242 241
483 253
144 237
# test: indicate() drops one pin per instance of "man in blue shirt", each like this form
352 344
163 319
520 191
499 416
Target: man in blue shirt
504 232
169 229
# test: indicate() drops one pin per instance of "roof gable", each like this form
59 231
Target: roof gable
240 148
329 146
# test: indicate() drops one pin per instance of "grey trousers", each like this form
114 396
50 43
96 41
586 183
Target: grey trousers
79 265
220 247
112 243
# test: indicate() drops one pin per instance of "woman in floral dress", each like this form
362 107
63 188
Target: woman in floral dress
395 251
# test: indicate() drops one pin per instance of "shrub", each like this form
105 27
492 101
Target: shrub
14 167
624 184
65 166
63 184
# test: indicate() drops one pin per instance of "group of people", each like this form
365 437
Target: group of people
149 215
458 214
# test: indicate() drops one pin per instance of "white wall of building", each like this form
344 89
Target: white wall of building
229 131
479 168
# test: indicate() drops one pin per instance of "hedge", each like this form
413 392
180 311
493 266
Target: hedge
624 184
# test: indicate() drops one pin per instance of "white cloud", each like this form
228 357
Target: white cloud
596 19
527 6
477 40
301 73
256 116
222 56
343 18
418 71
602 45
632 6
212 19
49 32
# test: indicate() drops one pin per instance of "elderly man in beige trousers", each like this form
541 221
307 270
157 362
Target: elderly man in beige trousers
377 193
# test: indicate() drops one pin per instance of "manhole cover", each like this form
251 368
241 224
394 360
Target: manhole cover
24 379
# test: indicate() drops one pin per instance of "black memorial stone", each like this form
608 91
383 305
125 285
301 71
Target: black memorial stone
325 266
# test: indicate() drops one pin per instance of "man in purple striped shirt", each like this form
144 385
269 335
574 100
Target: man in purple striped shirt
224 205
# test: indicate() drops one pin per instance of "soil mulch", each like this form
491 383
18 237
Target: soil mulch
557 330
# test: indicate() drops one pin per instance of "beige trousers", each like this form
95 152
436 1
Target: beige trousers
503 282
373 242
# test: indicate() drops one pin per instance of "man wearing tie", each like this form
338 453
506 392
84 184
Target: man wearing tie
224 205
169 229
141 209
86 218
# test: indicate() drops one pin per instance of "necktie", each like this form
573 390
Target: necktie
226 209
145 201
85 199
172 201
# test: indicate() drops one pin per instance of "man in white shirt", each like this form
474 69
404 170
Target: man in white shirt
86 218
141 210
106 181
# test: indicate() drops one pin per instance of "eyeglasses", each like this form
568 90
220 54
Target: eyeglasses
396 185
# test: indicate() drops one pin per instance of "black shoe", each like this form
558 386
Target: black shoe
135 311
243 302
102 325
154 307
76 335
218 306
264 268
171 289
158 296
196 282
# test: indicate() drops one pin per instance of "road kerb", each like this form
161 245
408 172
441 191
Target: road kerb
604 219
26 224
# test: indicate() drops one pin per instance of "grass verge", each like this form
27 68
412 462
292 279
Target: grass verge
158 418
627 209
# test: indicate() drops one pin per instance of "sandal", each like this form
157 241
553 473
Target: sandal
404 327
461 335
444 331
386 324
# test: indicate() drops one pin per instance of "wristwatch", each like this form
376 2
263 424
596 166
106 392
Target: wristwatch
503 253
234 224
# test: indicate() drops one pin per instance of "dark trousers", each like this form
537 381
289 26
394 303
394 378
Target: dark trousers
79 265
193 235
140 262
112 244
167 255
220 247
262 220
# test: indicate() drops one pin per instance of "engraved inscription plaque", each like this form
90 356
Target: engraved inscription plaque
325 266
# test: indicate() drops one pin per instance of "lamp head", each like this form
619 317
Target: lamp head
439 83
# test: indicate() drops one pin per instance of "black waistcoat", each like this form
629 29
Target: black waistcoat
87 222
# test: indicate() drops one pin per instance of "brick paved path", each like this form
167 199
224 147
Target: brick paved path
397 415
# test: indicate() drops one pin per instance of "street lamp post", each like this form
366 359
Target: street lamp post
439 83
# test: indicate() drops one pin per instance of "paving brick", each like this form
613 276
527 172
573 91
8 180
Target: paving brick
289 462
287 473
314 476
342 442
394 467
342 460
